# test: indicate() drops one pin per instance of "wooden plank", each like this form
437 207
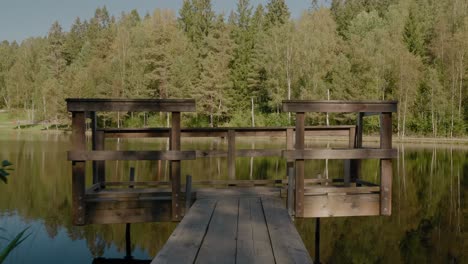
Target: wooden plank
341 205
175 166
339 106
300 166
78 169
319 190
184 243
231 154
116 204
258 153
219 245
210 193
340 154
211 153
131 155
131 105
386 164
285 240
222 132
253 240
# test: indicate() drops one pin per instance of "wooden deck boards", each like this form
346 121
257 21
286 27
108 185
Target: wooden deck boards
235 229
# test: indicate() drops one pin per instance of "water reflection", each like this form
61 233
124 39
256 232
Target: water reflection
426 226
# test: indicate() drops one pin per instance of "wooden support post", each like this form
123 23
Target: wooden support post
78 169
231 158
93 143
290 199
386 165
188 193
348 164
289 146
128 226
356 164
299 175
317 241
175 166
100 164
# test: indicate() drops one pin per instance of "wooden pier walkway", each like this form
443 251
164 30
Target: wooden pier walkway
243 229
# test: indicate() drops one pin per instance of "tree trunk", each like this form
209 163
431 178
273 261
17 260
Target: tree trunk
253 113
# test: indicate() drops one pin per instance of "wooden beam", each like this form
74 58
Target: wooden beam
222 131
131 155
300 167
175 167
78 169
131 105
100 165
231 154
339 106
319 190
341 205
386 164
340 154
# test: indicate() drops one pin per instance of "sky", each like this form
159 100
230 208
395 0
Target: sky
20 19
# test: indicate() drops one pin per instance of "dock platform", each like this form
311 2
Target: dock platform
230 229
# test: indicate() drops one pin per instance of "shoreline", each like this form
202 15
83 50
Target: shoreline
366 138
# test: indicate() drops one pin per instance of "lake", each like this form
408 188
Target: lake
427 225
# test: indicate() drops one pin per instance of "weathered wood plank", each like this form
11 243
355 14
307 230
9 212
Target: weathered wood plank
325 190
285 240
253 241
340 154
300 166
77 155
175 166
131 105
100 164
184 243
339 106
219 245
78 169
341 205
386 164
222 132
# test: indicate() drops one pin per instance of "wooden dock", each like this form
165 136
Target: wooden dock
242 229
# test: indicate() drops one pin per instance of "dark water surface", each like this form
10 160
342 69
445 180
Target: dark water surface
427 224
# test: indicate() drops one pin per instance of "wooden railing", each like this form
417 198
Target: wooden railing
88 204
330 205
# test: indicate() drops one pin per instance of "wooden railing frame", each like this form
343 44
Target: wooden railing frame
352 156
82 108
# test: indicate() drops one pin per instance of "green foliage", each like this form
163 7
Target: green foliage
14 243
413 51
4 168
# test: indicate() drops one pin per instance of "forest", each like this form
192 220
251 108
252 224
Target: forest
240 66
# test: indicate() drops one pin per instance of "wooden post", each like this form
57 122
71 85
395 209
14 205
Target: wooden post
78 169
188 193
231 158
100 164
93 143
386 164
348 164
290 198
175 166
289 146
299 175
355 169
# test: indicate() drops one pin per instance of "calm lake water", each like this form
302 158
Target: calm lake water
428 223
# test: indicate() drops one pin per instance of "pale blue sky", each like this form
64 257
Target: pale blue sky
20 19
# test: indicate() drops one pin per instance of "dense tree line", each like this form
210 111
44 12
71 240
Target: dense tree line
248 61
